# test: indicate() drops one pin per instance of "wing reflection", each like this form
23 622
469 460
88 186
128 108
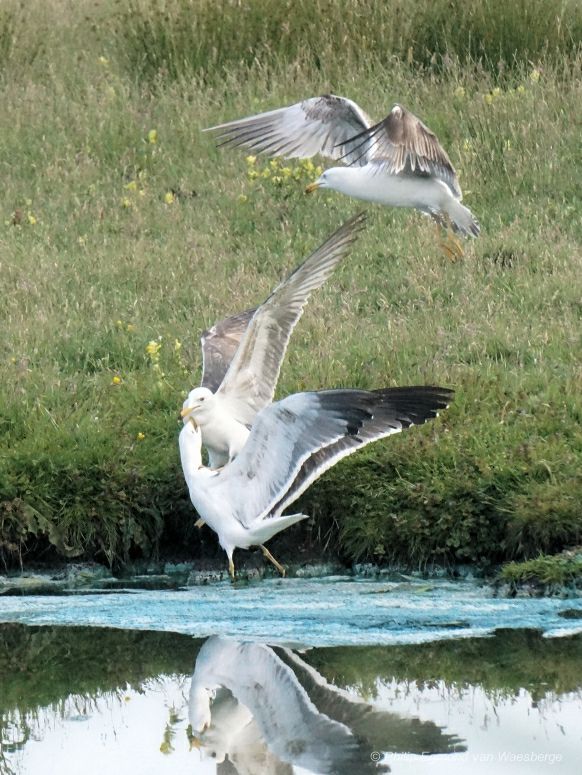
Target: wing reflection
258 710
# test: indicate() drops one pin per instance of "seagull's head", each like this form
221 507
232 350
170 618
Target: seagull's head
321 182
331 178
197 404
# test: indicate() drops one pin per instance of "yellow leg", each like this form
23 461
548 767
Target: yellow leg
231 568
270 557
451 246
199 523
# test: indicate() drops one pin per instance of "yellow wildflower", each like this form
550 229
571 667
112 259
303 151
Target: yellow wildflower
153 136
140 436
116 380
103 61
496 92
488 99
242 198
534 76
130 328
153 348
459 92
250 160
177 345
252 174
169 198
520 89
31 219
126 203
131 186
119 324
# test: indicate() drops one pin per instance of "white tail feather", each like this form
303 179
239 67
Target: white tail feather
462 218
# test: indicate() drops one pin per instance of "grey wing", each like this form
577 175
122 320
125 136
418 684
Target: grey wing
295 440
379 730
401 143
395 410
291 725
318 125
219 344
251 379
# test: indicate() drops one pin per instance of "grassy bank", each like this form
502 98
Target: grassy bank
124 233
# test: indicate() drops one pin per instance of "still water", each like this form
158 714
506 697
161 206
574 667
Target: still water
301 676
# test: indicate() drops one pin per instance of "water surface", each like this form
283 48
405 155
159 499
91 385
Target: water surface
267 678
316 612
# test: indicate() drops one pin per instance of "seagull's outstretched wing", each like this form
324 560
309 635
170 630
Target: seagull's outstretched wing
219 344
299 131
396 410
251 379
380 730
402 143
300 437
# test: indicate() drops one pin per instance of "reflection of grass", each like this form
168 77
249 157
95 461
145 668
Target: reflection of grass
505 662
122 224
42 665
65 669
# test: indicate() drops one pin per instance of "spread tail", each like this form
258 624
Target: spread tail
462 219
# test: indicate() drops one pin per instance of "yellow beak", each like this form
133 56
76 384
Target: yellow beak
311 187
185 412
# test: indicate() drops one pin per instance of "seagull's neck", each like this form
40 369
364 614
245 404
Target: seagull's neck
348 180
190 443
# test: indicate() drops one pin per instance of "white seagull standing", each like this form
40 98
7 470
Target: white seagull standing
242 355
291 444
397 162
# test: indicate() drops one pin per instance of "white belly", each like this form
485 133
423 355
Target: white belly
396 190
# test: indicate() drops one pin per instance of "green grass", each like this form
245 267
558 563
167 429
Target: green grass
98 258
173 38
544 570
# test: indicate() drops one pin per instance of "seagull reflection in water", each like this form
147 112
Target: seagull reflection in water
256 709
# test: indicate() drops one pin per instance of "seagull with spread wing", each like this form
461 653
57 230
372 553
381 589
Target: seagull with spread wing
397 162
291 444
242 355
265 709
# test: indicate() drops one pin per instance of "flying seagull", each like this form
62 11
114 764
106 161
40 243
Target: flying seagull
242 355
397 162
291 443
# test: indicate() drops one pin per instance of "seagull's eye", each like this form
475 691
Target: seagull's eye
202 398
